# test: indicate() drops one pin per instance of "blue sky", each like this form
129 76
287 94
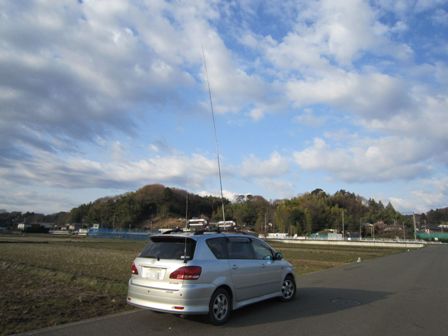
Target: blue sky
99 98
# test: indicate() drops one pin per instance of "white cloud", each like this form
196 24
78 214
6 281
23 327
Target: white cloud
24 198
230 195
333 31
232 88
117 151
276 188
253 167
161 146
371 95
309 118
398 7
425 5
430 194
268 175
367 160
257 113
111 61
426 119
399 27
78 172
349 27
441 17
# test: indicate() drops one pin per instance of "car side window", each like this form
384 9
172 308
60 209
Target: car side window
240 248
262 251
218 246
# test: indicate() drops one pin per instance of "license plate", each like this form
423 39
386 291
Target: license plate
154 273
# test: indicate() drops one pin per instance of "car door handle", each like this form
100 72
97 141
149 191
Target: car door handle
234 267
263 265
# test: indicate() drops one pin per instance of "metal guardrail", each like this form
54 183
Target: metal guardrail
118 234
363 242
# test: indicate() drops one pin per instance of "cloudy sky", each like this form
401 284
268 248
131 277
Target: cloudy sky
102 97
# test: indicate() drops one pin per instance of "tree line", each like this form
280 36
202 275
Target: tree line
310 212
313 212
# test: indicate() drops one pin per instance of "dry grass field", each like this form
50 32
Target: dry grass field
51 280
312 258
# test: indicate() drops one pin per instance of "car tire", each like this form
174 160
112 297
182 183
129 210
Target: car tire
220 307
288 289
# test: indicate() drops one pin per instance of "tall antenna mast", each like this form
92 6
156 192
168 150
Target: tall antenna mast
186 210
216 136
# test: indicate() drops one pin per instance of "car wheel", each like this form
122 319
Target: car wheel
288 289
220 307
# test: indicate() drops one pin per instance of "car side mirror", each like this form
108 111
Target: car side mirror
278 256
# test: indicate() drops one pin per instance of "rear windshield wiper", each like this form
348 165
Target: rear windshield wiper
150 256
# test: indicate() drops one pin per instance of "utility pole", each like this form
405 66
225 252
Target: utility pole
343 225
265 222
360 235
415 233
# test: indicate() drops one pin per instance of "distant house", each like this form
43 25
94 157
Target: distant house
393 228
22 226
443 227
34 227
83 232
277 235
329 234
74 226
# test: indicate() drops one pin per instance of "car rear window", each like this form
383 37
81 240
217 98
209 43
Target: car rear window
177 248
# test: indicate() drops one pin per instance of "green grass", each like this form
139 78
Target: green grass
53 280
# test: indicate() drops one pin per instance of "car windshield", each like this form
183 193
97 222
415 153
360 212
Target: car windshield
178 248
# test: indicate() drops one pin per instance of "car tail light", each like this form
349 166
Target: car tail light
134 269
187 273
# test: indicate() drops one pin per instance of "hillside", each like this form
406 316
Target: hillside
155 206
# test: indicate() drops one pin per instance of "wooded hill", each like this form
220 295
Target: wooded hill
310 212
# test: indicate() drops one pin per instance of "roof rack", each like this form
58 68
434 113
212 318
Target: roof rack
200 232
176 230
218 230
214 229
249 233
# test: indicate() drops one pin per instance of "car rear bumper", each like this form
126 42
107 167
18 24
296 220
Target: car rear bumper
189 299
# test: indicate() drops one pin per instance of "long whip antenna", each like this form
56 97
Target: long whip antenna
186 226
216 136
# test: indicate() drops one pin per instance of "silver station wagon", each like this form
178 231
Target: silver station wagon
208 273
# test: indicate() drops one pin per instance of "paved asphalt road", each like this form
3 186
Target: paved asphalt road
404 294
